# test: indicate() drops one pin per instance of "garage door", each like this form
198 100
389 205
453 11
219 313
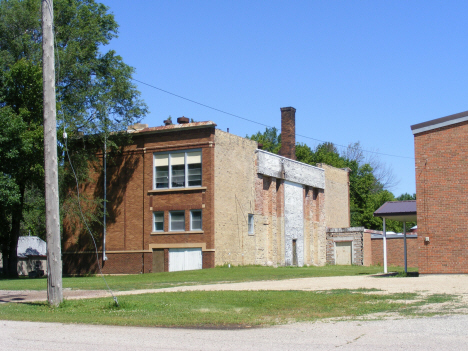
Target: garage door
343 252
185 259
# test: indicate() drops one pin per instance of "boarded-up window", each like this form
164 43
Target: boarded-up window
343 252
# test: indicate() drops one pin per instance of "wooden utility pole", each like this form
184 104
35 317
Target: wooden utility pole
54 254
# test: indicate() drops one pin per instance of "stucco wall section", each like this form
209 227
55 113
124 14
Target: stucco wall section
354 234
281 167
235 178
337 190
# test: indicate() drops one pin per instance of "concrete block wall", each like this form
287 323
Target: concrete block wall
337 207
441 160
234 197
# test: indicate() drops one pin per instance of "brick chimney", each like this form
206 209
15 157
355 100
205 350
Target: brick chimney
288 132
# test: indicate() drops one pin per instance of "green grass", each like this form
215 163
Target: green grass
215 309
204 276
433 299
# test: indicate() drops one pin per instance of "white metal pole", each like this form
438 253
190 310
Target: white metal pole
404 244
384 247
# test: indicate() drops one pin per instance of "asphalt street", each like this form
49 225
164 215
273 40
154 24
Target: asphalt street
434 333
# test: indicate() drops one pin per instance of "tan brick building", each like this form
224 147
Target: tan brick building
441 158
190 196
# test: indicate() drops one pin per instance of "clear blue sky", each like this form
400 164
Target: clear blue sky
354 70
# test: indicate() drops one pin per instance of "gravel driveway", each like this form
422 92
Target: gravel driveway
456 284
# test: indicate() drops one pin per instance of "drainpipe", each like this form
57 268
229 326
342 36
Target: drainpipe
104 257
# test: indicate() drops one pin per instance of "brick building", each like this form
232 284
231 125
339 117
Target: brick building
441 153
189 196
364 247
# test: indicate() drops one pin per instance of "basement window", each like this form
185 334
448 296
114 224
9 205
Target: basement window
178 169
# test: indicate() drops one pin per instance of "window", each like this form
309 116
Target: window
251 223
194 168
196 220
158 221
179 169
177 221
161 163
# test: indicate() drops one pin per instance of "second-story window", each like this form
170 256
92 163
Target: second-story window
178 169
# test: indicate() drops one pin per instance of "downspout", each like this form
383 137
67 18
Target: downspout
143 215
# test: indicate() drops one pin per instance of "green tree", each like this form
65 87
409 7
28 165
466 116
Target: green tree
406 197
368 178
270 139
95 99
21 147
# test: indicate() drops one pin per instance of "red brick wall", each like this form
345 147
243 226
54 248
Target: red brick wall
395 252
367 249
119 263
442 202
131 204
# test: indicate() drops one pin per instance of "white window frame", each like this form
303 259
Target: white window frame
191 220
250 224
154 221
186 180
170 221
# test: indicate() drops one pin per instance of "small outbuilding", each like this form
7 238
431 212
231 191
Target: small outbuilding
32 256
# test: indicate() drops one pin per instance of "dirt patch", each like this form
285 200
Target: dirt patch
41 295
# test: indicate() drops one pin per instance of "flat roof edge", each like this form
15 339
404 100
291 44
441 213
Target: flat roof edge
394 214
440 122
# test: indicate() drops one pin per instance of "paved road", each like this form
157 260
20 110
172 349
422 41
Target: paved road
436 333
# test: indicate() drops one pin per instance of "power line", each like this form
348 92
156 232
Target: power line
252 121
199 103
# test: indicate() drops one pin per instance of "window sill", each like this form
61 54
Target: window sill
172 190
175 232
